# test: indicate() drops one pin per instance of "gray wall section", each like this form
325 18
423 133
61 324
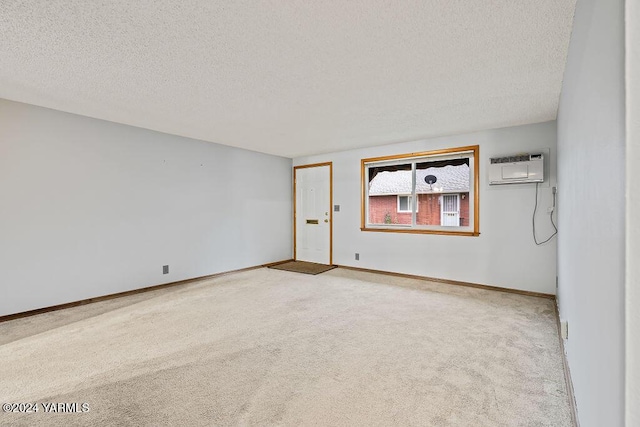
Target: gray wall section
89 208
503 255
632 329
591 183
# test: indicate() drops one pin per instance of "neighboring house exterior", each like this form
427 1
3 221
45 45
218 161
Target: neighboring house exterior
444 203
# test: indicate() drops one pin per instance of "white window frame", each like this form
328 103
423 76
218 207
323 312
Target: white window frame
470 152
410 204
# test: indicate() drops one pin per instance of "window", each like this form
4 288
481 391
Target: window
404 204
431 192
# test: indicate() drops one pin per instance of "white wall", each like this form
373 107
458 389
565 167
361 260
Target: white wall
591 184
503 255
89 208
633 213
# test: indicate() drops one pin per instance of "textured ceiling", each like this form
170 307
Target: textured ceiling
290 77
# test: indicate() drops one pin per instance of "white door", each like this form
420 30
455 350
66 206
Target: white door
313 214
450 210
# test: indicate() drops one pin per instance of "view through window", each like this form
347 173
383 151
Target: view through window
430 192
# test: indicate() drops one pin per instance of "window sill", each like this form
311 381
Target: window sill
422 231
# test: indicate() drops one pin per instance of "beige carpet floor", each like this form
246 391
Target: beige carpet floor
268 347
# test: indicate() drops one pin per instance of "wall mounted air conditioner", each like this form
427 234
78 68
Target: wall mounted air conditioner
518 169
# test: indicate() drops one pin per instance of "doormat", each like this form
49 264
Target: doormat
304 267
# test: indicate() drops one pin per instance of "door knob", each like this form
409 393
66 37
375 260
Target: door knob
326 220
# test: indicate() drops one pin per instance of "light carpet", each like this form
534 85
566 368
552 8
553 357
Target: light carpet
268 347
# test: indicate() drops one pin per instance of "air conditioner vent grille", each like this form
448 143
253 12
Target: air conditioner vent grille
511 159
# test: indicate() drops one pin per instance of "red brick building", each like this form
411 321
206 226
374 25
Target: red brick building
384 210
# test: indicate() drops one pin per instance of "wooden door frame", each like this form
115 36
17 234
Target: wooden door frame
314 165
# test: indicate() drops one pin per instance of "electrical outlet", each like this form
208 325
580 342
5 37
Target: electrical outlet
165 269
357 257
336 208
